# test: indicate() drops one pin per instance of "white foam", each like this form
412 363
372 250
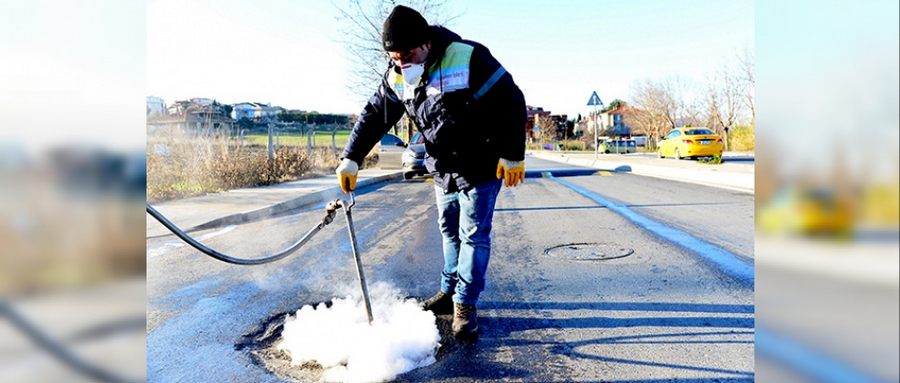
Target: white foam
402 337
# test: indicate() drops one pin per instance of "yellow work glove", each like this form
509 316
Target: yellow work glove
512 171
346 173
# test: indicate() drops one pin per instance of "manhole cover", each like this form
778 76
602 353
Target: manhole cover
589 251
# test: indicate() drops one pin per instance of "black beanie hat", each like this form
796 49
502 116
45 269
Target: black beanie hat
404 29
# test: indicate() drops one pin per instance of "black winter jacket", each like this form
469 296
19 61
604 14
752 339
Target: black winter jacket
466 105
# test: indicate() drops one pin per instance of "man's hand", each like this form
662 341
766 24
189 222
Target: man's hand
512 171
346 173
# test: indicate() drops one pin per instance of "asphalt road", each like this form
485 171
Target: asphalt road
666 312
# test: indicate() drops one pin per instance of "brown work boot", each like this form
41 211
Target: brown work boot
440 304
465 321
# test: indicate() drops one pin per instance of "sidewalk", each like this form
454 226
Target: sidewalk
732 176
244 205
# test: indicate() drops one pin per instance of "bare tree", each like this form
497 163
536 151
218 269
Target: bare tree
690 104
747 79
685 107
725 102
656 109
548 127
361 23
711 107
641 123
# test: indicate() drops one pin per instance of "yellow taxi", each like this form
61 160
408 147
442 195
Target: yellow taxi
690 142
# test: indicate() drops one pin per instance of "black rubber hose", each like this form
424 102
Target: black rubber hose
233 260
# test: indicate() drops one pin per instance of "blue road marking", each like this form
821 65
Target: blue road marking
724 260
548 173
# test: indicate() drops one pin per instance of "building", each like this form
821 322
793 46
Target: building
583 127
612 122
155 106
198 115
533 113
586 125
256 112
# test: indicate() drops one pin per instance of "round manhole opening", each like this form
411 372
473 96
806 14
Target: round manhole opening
263 340
588 251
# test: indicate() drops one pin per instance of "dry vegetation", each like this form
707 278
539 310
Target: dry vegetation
742 139
184 167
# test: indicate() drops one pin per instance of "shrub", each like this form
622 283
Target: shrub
572 145
534 146
741 139
188 166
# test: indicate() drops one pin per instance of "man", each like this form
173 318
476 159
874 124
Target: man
472 116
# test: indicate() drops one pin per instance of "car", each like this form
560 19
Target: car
414 157
618 146
390 151
690 143
640 140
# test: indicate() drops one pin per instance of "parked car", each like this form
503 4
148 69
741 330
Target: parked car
390 151
690 143
618 146
640 141
414 157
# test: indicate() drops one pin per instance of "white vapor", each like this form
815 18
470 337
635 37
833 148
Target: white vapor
402 337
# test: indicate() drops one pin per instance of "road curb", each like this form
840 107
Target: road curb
281 207
740 182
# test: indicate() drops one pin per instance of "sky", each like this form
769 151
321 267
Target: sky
288 52
78 73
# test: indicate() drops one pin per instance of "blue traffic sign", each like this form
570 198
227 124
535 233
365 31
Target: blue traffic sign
595 100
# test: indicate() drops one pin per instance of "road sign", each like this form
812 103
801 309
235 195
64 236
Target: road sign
595 100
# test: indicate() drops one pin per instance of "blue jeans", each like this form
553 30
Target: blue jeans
465 219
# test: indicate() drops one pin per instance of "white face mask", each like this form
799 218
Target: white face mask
412 73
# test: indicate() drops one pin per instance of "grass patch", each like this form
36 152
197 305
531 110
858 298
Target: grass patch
714 160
